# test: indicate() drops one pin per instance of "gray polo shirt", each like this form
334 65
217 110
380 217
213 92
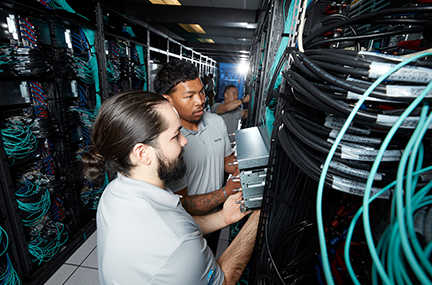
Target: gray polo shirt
144 236
231 119
204 155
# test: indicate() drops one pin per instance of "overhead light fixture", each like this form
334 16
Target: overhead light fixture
243 67
166 2
244 51
210 41
193 28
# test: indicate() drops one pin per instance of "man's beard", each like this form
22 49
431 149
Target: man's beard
171 170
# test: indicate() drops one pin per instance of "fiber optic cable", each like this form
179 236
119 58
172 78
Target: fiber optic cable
62 5
9 276
323 248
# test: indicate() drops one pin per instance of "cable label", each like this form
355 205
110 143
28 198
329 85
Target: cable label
356 188
354 138
368 155
409 122
353 171
406 91
355 96
406 74
337 124
377 56
352 145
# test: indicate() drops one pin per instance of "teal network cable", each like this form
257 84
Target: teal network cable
47 241
325 262
90 36
142 70
9 276
62 5
18 140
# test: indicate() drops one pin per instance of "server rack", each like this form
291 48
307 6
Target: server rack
306 216
58 66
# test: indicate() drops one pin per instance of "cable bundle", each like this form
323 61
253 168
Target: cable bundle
334 92
139 67
286 256
46 240
61 5
8 275
342 31
33 198
18 139
90 194
412 194
27 33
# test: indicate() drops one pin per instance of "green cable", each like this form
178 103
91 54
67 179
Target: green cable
63 5
355 219
325 262
408 203
140 51
90 36
428 249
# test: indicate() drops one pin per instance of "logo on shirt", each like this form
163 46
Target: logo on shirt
218 140
211 276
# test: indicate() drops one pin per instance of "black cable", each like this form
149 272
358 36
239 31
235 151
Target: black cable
357 38
364 17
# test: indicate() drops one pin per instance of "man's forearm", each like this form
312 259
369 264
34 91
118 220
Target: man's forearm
235 258
227 107
198 205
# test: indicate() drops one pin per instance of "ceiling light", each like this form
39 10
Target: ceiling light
244 51
166 2
243 67
210 41
193 28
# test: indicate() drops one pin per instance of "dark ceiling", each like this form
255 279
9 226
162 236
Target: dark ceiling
230 24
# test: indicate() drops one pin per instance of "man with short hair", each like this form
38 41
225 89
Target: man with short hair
230 110
208 155
144 234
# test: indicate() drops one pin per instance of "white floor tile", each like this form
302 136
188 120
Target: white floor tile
91 260
62 274
83 251
83 276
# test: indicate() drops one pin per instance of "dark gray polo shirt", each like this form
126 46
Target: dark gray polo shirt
204 155
144 236
231 119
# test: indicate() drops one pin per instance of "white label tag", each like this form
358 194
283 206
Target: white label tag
406 91
356 188
409 122
405 74
354 138
353 171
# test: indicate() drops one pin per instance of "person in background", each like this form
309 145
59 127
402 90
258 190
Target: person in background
144 235
208 155
230 110
210 89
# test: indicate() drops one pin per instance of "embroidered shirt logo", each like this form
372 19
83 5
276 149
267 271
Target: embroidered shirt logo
218 140
211 276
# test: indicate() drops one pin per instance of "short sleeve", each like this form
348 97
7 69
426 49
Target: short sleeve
177 185
192 263
228 148
213 108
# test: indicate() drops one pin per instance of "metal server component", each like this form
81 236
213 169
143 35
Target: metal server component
253 146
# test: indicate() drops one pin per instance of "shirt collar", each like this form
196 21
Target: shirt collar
146 190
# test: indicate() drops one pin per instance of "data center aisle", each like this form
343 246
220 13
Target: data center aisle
81 268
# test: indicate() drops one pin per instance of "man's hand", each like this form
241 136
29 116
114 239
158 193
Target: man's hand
246 99
231 209
233 183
